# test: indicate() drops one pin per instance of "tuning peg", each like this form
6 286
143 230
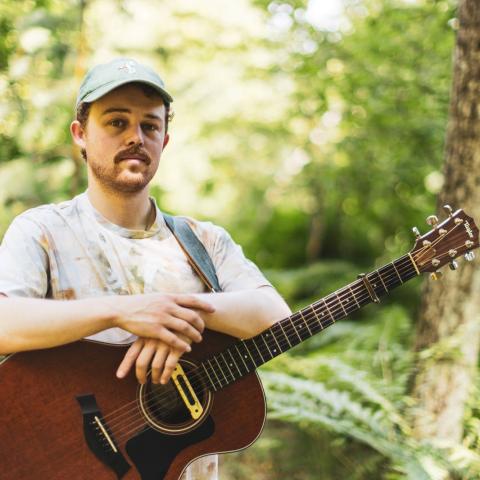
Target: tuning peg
453 265
436 275
449 210
469 256
416 232
432 220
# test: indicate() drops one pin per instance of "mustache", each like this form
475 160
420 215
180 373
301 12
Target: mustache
133 152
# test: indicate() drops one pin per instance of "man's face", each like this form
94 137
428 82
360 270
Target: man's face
124 138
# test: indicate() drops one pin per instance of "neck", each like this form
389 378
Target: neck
244 356
127 210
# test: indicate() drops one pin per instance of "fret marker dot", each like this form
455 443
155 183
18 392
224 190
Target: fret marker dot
275 350
246 356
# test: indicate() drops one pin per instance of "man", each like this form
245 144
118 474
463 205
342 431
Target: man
112 243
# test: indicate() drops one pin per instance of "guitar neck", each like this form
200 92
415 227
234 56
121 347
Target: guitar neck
244 356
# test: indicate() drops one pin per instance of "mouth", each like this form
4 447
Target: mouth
133 156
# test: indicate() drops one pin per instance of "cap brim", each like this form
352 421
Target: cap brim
103 90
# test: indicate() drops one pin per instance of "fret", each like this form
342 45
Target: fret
248 355
251 351
390 273
212 383
258 350
354 296
331 309
241 356
316 316
329 312
280 324
234 363
305 322
376 283
226 363
214 372
299 326
381 279
341 304
221 370
275 351
408 263
349 302
396 271
294 328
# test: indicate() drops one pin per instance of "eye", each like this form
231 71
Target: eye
149 127
117 122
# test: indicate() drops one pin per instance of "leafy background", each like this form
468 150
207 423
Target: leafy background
318 144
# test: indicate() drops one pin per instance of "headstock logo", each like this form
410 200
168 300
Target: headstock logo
469 230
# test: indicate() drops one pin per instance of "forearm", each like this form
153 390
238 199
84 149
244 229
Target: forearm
28 324
244 313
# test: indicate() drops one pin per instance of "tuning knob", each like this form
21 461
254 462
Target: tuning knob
449 210
453 265
432 220
436 275
416 232
469 256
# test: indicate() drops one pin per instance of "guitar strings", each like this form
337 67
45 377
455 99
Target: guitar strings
292 328
301 320
127 429
296 322
307 316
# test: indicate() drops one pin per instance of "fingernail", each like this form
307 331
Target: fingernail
189 348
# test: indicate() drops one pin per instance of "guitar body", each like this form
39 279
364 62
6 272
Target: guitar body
49 400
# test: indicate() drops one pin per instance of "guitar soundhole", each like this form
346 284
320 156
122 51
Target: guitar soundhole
166 410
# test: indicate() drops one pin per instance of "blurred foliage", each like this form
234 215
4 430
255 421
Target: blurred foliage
319 147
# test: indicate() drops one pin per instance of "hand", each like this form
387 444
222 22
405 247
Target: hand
146 352
172 319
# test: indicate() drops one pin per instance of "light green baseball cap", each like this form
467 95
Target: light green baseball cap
105 77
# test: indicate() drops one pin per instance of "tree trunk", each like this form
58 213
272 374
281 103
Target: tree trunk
448 334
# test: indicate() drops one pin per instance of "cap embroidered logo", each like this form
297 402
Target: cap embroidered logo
129 67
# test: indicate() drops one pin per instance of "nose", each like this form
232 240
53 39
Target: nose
134 135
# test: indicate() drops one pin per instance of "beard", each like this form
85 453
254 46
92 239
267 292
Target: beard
118 178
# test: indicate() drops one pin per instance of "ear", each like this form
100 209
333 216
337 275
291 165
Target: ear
78 134
166 140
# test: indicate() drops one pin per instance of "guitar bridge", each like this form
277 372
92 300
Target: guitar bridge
99 440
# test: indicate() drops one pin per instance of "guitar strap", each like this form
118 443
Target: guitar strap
195 251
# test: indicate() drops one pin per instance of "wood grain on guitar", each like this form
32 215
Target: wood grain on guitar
65 415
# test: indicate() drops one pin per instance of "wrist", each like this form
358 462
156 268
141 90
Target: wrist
107 311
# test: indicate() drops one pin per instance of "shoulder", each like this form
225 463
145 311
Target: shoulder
209 233
47 216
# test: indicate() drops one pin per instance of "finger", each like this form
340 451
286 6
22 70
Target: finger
172 340
158 362
170 364
184 329
191 301
129 359
189 316
144 359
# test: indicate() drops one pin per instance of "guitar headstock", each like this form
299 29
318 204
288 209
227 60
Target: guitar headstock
457 235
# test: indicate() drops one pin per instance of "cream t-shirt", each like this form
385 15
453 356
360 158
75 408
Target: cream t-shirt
70 251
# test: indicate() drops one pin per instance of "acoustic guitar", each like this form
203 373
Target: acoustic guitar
64 414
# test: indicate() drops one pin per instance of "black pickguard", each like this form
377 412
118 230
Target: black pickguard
152 452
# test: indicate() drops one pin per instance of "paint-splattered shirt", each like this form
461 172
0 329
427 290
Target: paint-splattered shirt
70 250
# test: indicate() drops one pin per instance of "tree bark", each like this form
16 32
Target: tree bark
448 335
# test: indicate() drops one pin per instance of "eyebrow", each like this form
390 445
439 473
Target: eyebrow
127 110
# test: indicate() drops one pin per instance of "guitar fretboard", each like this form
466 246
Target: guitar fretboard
244 356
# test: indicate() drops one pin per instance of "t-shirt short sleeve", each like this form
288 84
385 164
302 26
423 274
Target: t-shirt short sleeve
234 270
23 260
